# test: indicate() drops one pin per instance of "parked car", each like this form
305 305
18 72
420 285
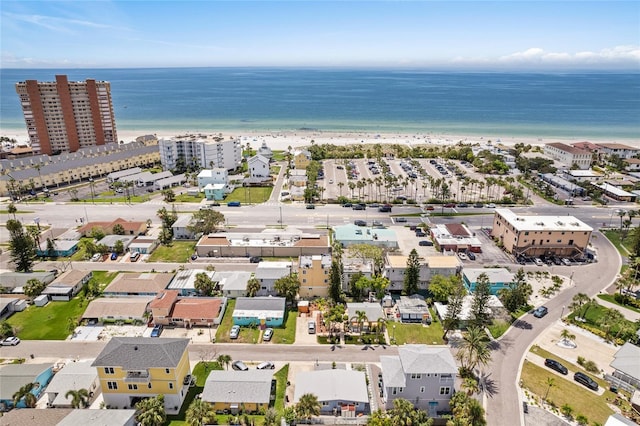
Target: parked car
311 327
566 262
430 208
235 332
420 233
255 259
585 380
462 256
540 311
233 204
239 366
194 257
538 261
377 224
450 205
490 206
478 205
425 243
157 330
96 257
347 205
266 366
555 365
310 206
189 380
385 209
134 256
10 341
114 256
401 219
463 205
359 222
471 255
358 207
267 335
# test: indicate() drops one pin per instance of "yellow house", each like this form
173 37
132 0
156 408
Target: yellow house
520 235
134 368
313 274
239 391
301 159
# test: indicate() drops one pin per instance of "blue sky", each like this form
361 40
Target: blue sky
463 35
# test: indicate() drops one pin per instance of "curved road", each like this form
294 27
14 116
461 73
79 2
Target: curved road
501 390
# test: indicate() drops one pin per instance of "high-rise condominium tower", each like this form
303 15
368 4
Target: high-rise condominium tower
64 116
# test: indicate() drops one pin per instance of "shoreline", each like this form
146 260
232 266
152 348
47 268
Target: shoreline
282 139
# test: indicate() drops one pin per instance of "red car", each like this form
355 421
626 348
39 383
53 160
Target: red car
450 205
430 208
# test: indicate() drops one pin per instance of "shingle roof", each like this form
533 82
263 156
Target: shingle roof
238 386
427 359
332 385
141 353
266 303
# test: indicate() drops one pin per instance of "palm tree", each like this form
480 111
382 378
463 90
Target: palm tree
308 406
362 318
200 413
79 398
25 392
551 382
12 209
610 319
471 385
253 287
225 360
474 349
567 336
271 418
340 185
151 411
577 303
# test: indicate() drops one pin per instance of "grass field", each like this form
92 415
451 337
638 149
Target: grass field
288 333
250 195
177 252
616 239
186 198
49 322
498 328
565 391
610 298
416 333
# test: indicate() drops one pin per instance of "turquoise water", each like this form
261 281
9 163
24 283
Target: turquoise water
219 99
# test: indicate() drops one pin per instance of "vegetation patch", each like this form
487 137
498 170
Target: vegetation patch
287 334
416 333
250 195
177 252
186 198
498 327
613 299
563 391
617 239
49 322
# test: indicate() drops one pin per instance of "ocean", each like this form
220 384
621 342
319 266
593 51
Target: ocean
585 105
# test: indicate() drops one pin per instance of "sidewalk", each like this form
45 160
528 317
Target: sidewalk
628 313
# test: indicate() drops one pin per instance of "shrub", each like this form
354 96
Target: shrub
581 361
591 367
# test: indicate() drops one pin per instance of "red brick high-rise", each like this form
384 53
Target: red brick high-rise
64 116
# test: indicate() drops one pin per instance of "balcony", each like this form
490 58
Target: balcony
137 377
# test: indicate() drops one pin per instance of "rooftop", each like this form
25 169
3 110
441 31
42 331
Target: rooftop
132 283
543 223
197 308
568 148
496 275
332 385
141 353
238 386
117 307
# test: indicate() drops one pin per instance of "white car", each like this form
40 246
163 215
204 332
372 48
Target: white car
10 341
566 261
490 206
538 261
462 256
96 257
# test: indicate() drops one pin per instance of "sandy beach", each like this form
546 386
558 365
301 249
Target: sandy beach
281 140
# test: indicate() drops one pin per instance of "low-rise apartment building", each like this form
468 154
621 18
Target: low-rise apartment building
569 155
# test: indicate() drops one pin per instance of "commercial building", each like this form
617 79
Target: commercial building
569 155
264 244
200 150
65 116
520 235
313 274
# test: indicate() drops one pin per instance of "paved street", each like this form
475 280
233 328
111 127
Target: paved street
502 393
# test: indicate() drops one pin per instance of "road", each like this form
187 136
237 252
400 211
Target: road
502 395
55 350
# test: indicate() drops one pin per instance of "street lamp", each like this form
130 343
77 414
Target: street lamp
394 333
562 313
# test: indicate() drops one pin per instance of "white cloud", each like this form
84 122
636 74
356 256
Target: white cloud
58 24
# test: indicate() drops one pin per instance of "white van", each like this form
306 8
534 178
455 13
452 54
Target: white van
134 256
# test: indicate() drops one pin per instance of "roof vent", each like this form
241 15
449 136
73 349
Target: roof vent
135 348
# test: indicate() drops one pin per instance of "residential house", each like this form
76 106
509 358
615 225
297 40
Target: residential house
351 234
185 281
563 236
569 155
625 364
133 368
339 392
233 284
298 181
60 248
9 305
259 170
15 376
632 164
301 159
583 175
215 191
619 420
72 377
372 313
424 375
67 285
36 416
130 227
313 274
117 309
499 278
99 417
396 266
618 149
181 229
263 311
217 176
493 308
143 245
267 273
265 151
269 243
413 309
168 308
137 284
353 266
239 391
14 281
110 241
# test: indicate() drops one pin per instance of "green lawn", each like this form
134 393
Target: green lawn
498 328
250 195
186 198
48 322
610 298
416 333
81 254
288 333
616 239
282 376
593 317
104 278
565 391
247 334
571 366
177 252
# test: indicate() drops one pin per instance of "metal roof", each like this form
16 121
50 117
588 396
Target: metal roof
238 386
332 385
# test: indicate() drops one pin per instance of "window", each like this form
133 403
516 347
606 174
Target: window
112 385
445 390
133 387
108 370
166 370
170 385
421 389
149 385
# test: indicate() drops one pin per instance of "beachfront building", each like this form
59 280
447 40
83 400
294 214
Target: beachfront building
301 159
563 236
617 149
313 274
569 155
207 152
63 116
53 171
134 368
259 170
265 151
